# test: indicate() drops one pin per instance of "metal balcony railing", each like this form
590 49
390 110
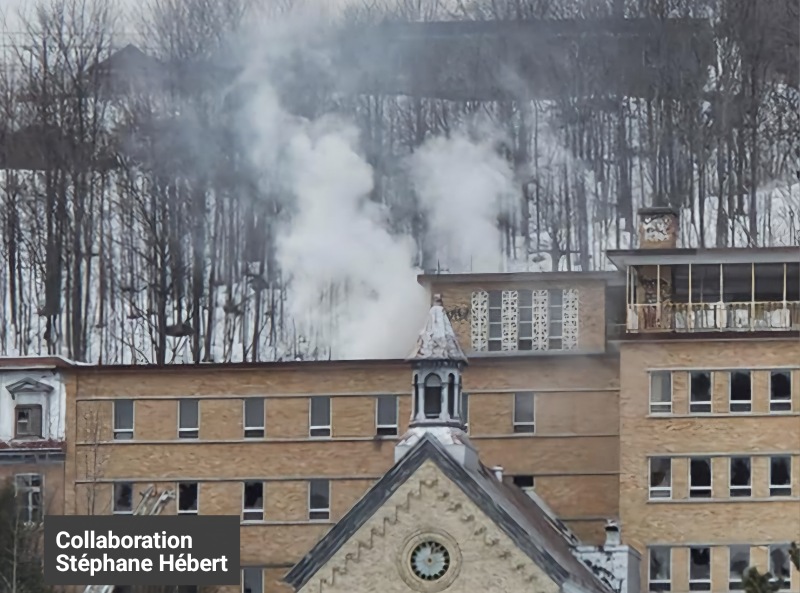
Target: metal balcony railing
723 317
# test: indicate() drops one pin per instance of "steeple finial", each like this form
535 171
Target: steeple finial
437 340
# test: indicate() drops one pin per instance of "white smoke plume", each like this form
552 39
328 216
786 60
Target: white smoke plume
353 282
463 186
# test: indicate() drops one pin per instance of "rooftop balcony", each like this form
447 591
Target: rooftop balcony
752 316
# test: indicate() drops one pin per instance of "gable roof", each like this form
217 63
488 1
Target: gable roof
518 516
28 385
437 340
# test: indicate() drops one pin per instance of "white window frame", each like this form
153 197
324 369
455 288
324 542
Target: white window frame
388 429
734 488
31 432
528 325
320 510
710 487
178 499
256 432
655 489
710 402
490 341
260 571
123 431
27 490
786 583
700 584
189 432
650 579
325 429
789 486
246 509
738 582
661 408
780 406
114 510
741 402
524 424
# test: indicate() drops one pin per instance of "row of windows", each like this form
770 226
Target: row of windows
739 477
551 310
319 415
660 573
253 495
740 392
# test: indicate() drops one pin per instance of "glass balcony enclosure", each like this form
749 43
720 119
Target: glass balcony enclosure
713 297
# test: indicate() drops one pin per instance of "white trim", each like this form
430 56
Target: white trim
312 427
689 569
710 402
114 485
780 402
654 489
252 509
789 486
712 369
731 401
115 430
515 422
263 427
787 583
378 425
733 488
650 579
260 571
710 487
178 498
28 490
189 430
730 559
666 405
320 509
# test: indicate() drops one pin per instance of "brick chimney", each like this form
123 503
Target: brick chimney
658 228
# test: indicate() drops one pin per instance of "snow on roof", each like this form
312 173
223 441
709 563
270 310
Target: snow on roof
437 340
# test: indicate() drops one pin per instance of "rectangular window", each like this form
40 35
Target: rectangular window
187 498
28 421
319 500
253 501
525 320
700 477
254 424
465 410
556 320
319 415
661 392
123 498
29 489
660 477
252 580
739 562
700 392
699 569
780 391
188 419
123 419
523 482
524 420
660 570
779 565
495 309
741 391
740 471
780 475
386 415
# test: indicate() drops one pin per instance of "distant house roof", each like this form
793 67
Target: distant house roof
518 516
437 340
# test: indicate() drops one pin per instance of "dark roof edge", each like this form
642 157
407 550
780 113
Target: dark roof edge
608 277
243 366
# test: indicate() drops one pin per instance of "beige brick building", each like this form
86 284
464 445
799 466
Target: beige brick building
675 410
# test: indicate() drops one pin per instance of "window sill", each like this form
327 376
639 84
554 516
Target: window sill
663 415
735 500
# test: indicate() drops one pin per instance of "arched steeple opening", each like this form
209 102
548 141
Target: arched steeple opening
433 397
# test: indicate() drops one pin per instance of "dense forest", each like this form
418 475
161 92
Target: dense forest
234 206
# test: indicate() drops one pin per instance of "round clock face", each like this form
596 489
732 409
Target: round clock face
430 561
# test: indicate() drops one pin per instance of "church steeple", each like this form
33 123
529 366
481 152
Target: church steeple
437 362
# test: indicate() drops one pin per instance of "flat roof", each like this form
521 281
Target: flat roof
29 363
623 258
506 277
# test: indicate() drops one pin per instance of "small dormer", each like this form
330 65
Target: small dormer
31 404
